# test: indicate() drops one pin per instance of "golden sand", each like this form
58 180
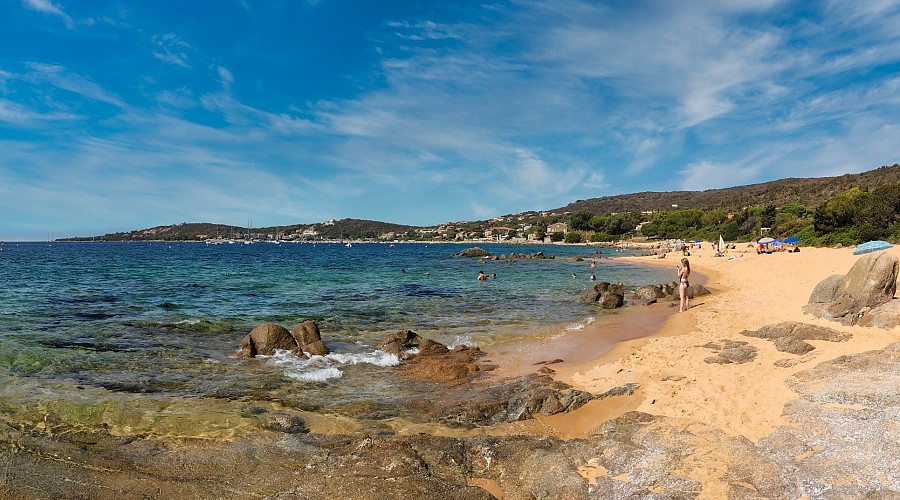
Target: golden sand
749 292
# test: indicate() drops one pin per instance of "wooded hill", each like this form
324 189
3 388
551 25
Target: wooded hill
805 191
827 210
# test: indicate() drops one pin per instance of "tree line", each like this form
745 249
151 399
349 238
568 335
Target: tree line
851 217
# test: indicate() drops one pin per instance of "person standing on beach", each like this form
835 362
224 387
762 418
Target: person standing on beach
684 270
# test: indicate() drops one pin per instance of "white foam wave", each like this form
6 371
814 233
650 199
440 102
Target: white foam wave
462 340
377 358
322 368
581 324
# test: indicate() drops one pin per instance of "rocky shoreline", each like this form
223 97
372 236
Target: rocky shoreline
636 455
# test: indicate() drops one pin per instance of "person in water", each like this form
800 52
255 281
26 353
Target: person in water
684 270
482 276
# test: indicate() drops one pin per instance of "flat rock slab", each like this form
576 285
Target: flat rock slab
844 441
789 336
736 352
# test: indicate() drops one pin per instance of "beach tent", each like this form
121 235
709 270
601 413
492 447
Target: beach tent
871 246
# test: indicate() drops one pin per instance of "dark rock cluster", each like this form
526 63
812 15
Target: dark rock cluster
480 253
466 401
614 295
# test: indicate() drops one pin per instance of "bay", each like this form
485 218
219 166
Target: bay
150 325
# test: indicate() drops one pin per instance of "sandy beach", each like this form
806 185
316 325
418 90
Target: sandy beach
743 400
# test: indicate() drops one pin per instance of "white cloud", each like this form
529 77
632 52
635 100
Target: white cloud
48 7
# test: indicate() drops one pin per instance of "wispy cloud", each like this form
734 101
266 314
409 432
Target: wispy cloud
16 114
48 7
59 77
170 48
510 106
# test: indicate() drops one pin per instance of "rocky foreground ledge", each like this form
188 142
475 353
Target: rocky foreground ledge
848 406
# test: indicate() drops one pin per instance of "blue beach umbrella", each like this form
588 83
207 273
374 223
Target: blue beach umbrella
871 246
777 243
792 240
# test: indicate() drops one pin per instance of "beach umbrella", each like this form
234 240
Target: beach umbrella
777 243
871 246
765 241
792 240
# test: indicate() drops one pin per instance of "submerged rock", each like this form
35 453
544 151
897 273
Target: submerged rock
283 422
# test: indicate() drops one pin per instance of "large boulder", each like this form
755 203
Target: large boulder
827 289
265 338
594 293
696 291
309 338
612 299
870 283
650 292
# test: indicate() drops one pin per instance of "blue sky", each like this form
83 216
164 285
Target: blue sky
130 114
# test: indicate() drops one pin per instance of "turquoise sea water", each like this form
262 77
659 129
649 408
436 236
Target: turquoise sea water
165 319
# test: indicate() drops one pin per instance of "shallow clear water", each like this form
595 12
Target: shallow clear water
167 318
